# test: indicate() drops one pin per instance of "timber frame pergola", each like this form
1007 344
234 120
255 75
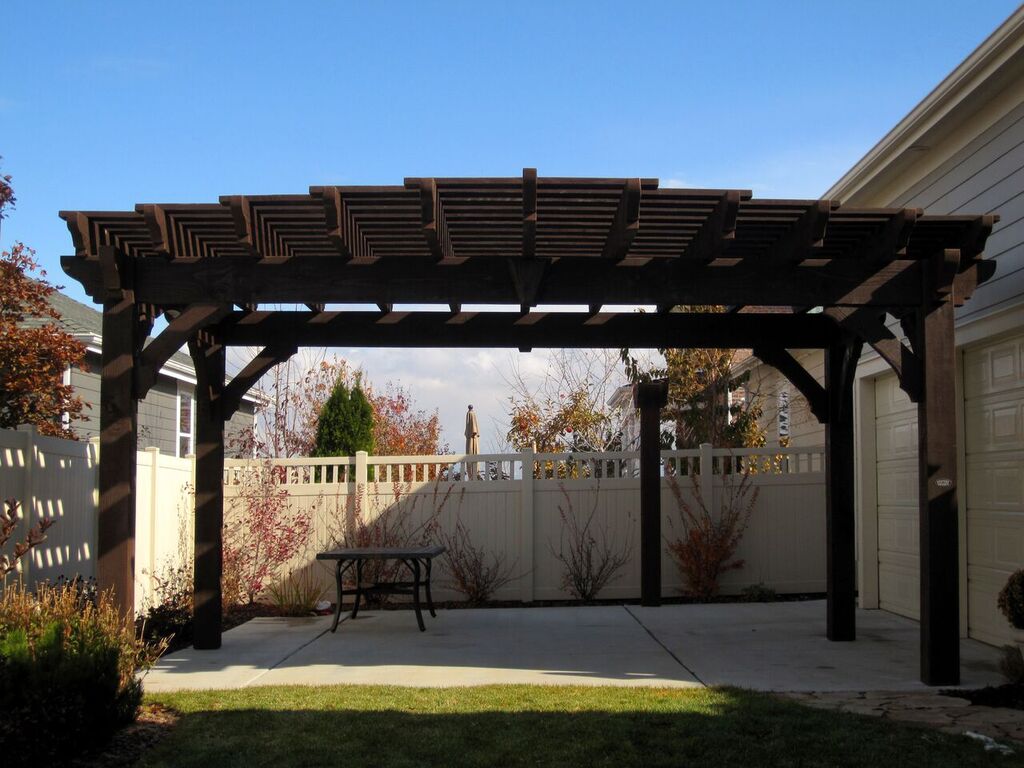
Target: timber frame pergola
526 242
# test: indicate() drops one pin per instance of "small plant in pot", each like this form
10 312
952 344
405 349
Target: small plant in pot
1011 603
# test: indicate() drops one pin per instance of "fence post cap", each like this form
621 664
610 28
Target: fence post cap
363 454
152 449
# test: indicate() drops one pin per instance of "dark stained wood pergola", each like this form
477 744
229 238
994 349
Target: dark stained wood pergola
527 242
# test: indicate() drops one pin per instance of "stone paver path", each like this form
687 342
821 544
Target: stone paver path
946 713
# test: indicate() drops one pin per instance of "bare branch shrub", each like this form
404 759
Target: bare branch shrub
705 546
473 571
8 524
590 559
392 526
261 536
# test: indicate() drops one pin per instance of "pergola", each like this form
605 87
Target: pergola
531 241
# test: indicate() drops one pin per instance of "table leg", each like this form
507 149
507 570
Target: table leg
359 587
341 593
416 594
430 600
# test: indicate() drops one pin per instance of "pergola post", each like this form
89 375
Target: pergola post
937 473
115 536
650 397
840 529
209 492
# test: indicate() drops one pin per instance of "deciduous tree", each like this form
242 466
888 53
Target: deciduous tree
568 409
699 383
34 350
402 429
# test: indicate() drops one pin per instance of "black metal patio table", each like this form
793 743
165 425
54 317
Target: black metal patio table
417 559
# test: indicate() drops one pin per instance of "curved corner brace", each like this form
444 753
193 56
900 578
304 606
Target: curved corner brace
868 326
806 384
243 381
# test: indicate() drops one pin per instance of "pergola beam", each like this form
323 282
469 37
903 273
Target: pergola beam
805 235
243 381
535 330
177 333
245 224
625 225
720 227
529 249
781 360
342 229
435 227
870 327
566 281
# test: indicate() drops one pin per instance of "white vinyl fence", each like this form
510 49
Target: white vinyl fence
58 479
511 504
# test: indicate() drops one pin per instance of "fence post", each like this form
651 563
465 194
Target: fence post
362 490
707 476
154 489
526 545
28 497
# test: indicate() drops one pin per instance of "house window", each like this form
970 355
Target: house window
186 421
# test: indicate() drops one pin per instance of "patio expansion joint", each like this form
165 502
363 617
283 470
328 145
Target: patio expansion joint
288 655
664 647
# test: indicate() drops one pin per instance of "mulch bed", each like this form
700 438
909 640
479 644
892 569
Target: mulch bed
1010 696
128 744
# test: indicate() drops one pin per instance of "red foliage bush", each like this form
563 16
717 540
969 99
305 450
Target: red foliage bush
261 536
707 544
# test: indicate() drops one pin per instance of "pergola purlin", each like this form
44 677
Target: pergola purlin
526 242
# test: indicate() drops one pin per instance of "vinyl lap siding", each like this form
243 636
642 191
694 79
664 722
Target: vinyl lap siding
986 176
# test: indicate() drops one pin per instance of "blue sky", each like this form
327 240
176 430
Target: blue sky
106 105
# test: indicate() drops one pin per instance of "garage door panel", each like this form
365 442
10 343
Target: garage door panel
995 540
995 484
994 368
986 622
899 588
897 495
897 484
994 423
994 444
897 437
889 398
898 531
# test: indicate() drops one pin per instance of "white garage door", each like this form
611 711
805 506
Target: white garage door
994 426
896 451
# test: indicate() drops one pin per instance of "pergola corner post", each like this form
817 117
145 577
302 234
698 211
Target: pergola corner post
840 527
937 475
115 535
650 397
209 362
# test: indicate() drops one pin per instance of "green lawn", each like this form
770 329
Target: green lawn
536 726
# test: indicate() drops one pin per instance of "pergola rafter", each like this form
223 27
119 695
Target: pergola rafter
527 242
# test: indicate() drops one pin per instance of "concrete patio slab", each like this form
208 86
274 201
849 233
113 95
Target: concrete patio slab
594 645
782 647
247 652
766 646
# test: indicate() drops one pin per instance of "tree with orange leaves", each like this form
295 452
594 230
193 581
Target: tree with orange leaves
33 357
